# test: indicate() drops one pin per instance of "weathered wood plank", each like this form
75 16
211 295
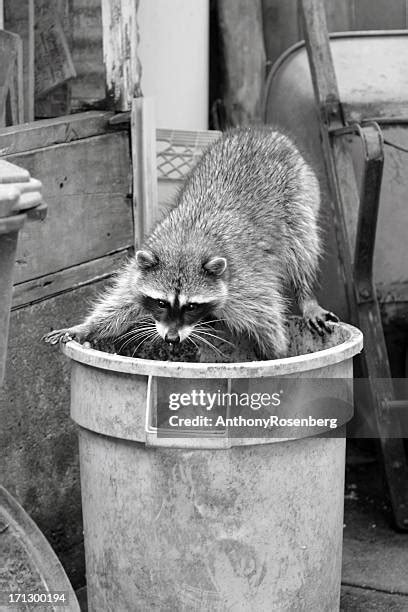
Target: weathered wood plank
89 86
47 132
144 164
244 58
11 79
19 18
86 185
349 192
50 42
53 29
120 42
47 286
8 246
322 69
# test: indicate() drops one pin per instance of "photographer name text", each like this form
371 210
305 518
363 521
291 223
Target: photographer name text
241 421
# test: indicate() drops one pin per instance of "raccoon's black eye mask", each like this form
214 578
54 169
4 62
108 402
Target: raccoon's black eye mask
163 304
187 314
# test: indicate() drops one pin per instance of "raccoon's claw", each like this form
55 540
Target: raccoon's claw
319 320
56 336
63 335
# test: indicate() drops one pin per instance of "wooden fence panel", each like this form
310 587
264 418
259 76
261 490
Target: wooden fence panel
86 185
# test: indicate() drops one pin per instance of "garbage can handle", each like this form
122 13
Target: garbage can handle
193 441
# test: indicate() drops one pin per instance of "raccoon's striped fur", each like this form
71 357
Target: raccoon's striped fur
244 229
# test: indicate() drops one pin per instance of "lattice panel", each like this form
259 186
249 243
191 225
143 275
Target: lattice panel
178 151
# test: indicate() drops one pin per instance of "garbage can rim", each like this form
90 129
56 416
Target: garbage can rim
350 346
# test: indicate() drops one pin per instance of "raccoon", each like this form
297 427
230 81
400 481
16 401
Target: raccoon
245 230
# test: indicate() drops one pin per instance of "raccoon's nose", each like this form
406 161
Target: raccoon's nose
172 337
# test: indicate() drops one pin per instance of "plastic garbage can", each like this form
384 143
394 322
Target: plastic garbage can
208 523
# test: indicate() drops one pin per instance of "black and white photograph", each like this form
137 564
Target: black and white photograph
204 305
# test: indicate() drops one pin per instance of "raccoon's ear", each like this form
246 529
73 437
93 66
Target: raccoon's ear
146 260
216 265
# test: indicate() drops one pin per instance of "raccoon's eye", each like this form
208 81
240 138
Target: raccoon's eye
191 306
161 304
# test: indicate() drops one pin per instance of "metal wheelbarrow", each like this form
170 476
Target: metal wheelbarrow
345 99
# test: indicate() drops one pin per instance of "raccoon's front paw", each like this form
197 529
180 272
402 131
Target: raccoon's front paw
65 335
319 320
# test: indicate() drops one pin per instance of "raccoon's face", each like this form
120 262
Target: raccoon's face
181 296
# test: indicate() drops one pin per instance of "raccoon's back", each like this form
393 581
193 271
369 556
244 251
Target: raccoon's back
251 187
255 172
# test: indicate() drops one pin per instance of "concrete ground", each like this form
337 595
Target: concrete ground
375 557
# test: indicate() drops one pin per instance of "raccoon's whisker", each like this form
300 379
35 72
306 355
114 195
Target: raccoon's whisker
136 337
124 345
191 340
140 327
210 345
212 321
139 345
153 336
135 334
141 330
142 342
214 336
134 330
196 335
208 326
131 337
205 333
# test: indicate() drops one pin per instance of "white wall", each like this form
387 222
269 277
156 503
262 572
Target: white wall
174 52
